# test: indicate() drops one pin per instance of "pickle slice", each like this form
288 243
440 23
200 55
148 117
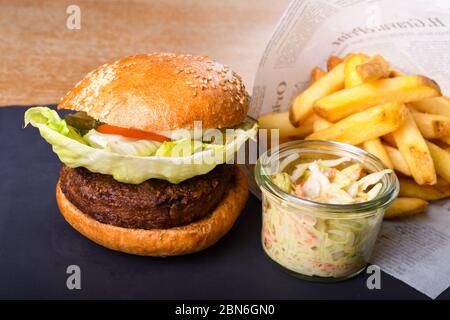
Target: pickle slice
81 121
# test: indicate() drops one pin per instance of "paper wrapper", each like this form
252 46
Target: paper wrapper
414 36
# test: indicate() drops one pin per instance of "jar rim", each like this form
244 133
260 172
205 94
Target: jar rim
387 195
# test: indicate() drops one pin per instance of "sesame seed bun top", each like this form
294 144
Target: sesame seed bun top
161 91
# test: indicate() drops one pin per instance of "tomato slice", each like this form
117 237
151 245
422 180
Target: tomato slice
131 133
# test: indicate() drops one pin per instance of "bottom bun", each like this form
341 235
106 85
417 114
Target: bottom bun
162 242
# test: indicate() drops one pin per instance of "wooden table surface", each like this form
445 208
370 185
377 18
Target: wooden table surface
40 58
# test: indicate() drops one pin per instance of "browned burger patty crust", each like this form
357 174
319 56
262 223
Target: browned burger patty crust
153 204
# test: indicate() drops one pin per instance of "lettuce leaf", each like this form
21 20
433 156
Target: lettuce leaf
120 144
179 148
365 182
75 151
44 116
283 181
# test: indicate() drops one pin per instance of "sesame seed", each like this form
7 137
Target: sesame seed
193 86
195 93
188 82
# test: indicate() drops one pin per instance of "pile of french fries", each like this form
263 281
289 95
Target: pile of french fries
402 119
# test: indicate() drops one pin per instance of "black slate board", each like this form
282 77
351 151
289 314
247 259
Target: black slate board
37 245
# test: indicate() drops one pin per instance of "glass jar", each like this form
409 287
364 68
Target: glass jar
320 241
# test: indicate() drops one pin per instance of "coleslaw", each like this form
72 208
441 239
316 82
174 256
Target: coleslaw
329 245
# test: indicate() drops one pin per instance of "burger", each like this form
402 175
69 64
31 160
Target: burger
147 152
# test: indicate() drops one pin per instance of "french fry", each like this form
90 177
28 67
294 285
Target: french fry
343 103
396 73
398 161
320 124
360 68
373 69
280 120
432 126
401 119
436 105
302 107
317 73
366 125
376 148
442 184
287 139
405 207
352 78
408 188
441 143
389 139
415 151
411 108
446 140
441 159
332 62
